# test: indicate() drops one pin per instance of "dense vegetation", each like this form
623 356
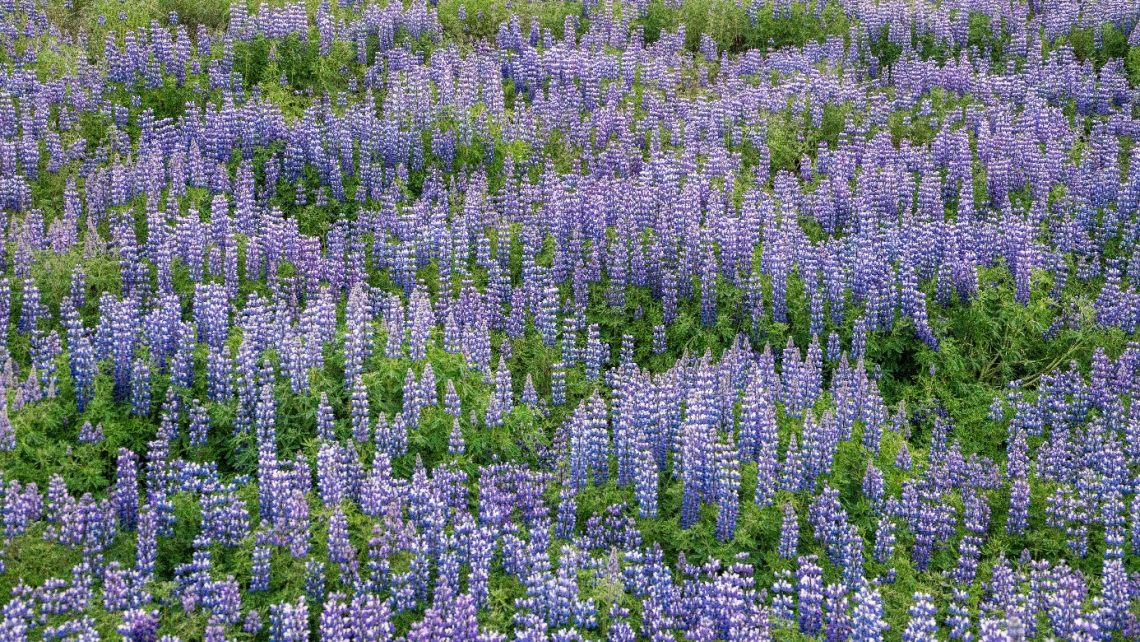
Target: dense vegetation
636 320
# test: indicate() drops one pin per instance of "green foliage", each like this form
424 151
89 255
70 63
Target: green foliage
1133 65
735 31
1100 44
212 14
485 16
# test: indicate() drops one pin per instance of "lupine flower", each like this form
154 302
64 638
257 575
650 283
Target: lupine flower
199 424
7 431
360 415
252 622
325 427
810 591
289 622
125 496
260 573
139 625
89 433
922 626
455 443
789 533
902 457
867 623
315 581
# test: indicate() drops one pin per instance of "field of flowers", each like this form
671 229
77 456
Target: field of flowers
487 320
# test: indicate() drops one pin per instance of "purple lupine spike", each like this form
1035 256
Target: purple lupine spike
361 424
357 347
125 496
727 491
659 339
91 434
902 457
139 625
698 435
867 623
395 325
20 507
334 622
295 525
370 619
837 622
884 540
396 436
922 626
646 478
288 622
595 353
455 443
331 482
7 431
412 407
325 426
341 551
252 623
792 478
199 429
959 621
45 348
428 395
567 513
873 485
452 342
266 451
422 322
810 589
451 403
558 384
147 548
259 580
789 533
31 310
530 395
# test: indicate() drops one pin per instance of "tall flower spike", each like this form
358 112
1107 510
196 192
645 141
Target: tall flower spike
325 422
455 444
867 623
360 414
922 626
789 533
7 432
